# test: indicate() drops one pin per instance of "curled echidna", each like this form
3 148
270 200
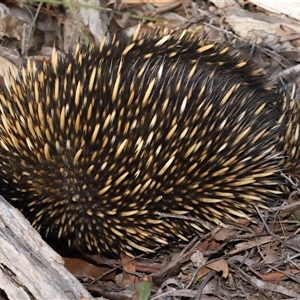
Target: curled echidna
103 148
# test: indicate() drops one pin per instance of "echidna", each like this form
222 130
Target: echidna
290 134
137 142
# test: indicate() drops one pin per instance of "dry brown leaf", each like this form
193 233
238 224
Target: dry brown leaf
270 256
203 271
129 267
248 245
224 233
203 246
79 267
276 276
220 265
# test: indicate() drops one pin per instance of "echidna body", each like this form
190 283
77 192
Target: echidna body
290 134
103 148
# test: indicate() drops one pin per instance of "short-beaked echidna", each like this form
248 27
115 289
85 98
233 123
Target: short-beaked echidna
290 135
103 148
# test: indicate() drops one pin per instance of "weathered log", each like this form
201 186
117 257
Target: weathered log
29 268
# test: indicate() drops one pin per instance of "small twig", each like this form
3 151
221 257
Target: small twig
201 287
286 206
188 218
264 285
290 71
25 41
276 237
295 185
271 53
